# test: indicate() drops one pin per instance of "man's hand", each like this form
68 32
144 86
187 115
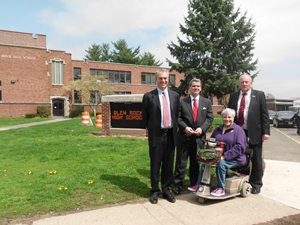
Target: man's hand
189 131
198 131
265 137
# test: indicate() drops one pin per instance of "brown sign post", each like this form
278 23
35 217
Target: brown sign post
122 115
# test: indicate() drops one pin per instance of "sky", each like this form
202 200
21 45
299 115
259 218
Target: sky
74 25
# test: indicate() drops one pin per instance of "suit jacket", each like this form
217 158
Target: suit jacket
151 116
204 120
258 122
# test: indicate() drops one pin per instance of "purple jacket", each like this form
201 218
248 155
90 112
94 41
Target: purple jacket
235 140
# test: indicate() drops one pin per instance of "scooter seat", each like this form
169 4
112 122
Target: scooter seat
241 167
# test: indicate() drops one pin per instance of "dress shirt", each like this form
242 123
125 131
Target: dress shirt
192 102
247 104
160 96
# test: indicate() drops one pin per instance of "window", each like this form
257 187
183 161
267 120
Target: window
148 78
114 76
76 97
172 79
220 101
77 72
57 72
122 93
0 95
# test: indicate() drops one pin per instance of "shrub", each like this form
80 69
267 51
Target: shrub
98 113
44 111
29 115
76 110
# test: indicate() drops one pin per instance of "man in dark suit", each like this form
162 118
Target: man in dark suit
160 112
195 117
252 115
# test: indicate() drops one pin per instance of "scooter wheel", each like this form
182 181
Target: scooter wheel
246 188
202 200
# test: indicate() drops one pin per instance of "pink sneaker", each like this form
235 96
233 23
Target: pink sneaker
194 188
218 192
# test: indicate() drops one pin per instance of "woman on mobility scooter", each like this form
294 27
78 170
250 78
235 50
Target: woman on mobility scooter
234 150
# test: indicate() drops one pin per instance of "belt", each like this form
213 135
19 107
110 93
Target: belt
165 130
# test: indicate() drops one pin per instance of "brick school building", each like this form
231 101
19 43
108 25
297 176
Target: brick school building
32 75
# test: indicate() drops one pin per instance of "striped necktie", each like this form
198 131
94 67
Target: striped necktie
241 111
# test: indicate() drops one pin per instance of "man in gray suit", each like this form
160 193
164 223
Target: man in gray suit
194 119
160 112
253 117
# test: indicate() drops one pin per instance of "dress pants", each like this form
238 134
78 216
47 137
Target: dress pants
186 150
257 171
162 157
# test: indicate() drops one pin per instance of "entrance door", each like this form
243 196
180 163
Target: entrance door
58 107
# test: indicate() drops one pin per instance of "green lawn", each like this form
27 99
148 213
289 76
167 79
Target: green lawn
118 167
61 167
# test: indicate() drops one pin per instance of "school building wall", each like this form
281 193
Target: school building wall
26 75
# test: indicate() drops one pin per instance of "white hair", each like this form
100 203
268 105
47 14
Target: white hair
228 111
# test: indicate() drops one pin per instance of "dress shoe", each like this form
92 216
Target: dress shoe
176 190
153 198
169 197
255 190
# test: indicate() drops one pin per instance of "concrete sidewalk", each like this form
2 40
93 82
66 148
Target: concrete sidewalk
55 119
279 198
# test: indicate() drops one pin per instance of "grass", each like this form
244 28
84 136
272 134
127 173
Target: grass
90 171
118 167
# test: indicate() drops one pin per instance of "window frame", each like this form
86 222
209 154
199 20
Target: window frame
114 76
76 74
55 76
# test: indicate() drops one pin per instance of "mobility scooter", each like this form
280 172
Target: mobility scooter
235 183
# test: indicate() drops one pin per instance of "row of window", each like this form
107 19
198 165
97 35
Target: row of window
149 78
116 76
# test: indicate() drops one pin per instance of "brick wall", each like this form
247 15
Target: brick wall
26 78
135 87
106 124
22 39
26 74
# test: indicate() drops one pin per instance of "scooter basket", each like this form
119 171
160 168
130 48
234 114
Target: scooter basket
209 157
208 162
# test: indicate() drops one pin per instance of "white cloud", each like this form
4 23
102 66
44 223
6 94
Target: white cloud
154 24
277 28
83 17
281 87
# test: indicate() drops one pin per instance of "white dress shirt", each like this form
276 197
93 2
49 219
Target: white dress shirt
246 110
160 96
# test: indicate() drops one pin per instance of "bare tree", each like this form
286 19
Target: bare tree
91 88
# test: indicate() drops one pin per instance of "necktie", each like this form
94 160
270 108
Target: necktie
166 110
241 111
195 109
